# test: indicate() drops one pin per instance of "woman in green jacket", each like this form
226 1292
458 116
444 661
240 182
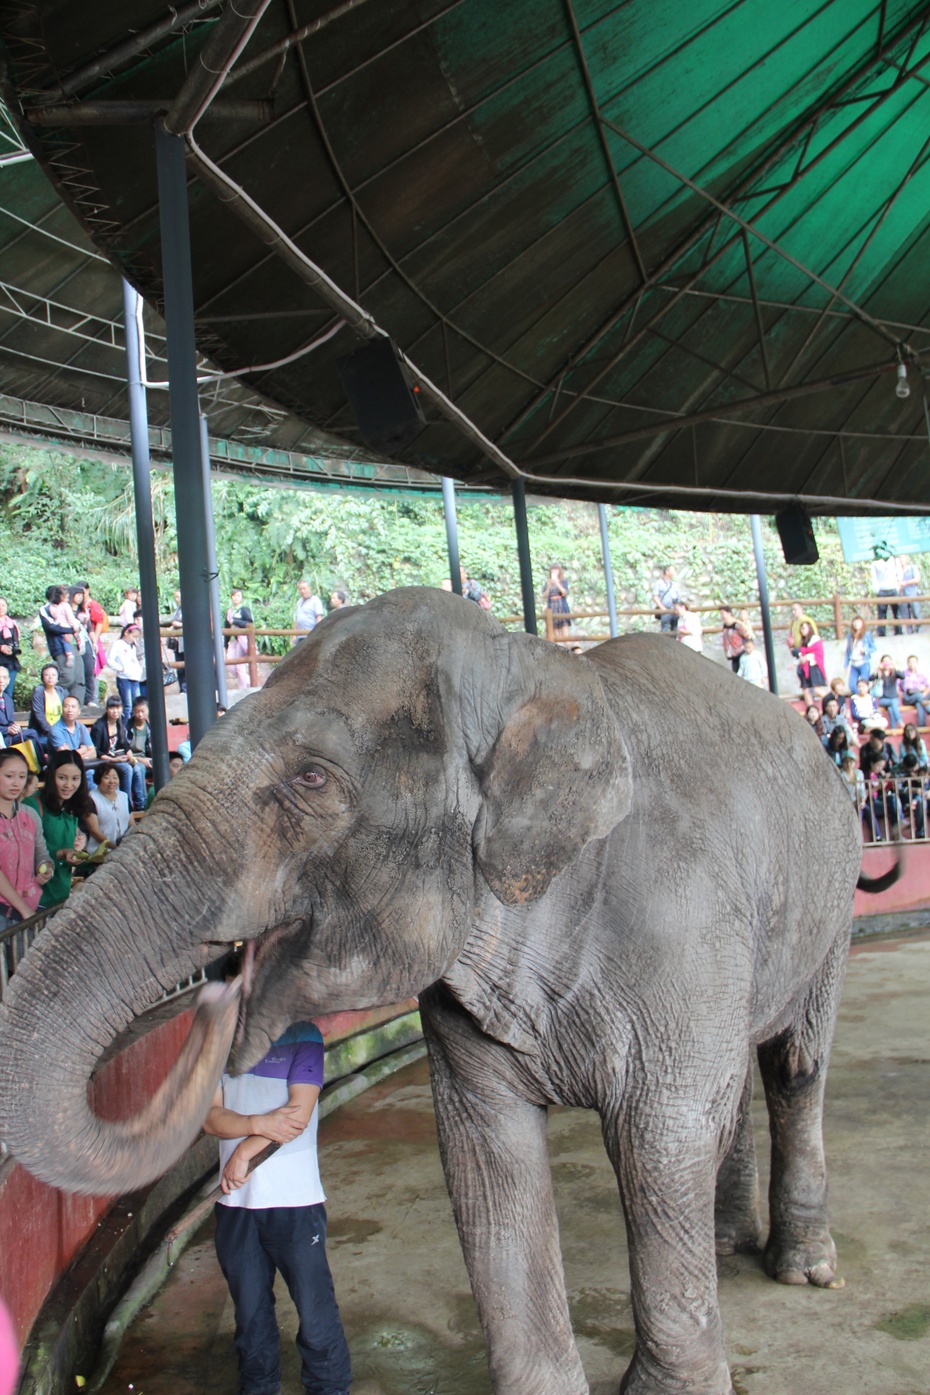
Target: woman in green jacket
62 804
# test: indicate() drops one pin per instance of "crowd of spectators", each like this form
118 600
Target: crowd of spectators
71 784
73 781
889 783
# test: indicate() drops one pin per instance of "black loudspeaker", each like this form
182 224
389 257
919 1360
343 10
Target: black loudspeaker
386 407
797 536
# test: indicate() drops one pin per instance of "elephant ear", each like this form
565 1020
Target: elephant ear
557 776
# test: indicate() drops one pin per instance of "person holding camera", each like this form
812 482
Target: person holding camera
10 642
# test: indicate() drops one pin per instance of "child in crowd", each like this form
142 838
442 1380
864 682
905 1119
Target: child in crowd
883 798
853 779
863 708
752 665
127 611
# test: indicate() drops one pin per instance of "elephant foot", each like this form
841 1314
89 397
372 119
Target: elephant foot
791 1261
738 1236
640 1380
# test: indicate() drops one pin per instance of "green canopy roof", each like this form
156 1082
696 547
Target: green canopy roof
652 252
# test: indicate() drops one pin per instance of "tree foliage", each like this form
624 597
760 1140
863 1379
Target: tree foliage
65 519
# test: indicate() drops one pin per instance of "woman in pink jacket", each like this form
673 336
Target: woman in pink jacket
811 667
25 865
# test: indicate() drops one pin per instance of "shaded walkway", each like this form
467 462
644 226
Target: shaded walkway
404 1293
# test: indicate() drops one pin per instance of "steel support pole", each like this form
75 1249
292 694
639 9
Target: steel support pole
756 524
518 490
608 571
216 614
145 537
452 533
186 446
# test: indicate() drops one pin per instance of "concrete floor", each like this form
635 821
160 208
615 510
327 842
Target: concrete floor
403 1289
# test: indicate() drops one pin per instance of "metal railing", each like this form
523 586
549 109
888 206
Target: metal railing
893 808
16 940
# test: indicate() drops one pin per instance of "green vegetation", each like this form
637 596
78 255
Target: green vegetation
69 519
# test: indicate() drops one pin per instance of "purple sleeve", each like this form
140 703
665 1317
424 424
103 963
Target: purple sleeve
307 1065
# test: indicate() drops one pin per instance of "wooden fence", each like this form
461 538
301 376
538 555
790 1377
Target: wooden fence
841 610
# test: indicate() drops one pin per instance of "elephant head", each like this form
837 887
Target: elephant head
345 823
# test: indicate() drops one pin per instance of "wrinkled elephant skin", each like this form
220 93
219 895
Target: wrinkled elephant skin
609 878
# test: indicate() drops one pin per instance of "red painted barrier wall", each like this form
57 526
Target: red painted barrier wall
41 1228
910 893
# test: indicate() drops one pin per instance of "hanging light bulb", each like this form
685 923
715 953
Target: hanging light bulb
902 387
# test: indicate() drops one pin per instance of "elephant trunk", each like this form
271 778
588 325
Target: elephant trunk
102 961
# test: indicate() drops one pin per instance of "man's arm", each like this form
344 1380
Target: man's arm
291 1119
277 1126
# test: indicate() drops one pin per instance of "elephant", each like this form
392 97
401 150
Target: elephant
609 878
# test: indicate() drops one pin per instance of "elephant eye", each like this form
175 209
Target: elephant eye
313 778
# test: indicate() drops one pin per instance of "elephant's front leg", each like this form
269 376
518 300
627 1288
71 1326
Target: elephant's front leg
665 1155
493 1145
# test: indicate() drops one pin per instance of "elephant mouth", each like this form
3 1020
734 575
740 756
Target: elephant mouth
254 954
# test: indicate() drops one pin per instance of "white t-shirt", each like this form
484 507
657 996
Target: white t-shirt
308 613
884 574
291 1176
754 669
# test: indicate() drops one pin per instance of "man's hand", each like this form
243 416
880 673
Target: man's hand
280 1125
236 1171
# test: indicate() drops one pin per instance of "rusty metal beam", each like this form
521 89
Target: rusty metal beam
730 298
176 19
723 409
760 327
296 36
605 145
138 111
227 39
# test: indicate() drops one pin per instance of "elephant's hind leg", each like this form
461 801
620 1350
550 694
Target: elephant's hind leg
493 1145
737 1228
800 1248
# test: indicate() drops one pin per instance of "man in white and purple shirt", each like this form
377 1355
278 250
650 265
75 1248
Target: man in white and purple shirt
274 1218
